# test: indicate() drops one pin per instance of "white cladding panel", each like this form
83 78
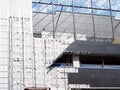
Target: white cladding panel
16 8
16 44
4 51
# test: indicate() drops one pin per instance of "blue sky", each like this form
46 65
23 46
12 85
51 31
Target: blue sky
87 3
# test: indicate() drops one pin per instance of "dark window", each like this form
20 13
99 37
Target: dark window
37 35
88 61
106 60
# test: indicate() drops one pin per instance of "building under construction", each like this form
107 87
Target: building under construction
60 45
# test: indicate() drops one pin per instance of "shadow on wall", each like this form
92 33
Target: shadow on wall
37 88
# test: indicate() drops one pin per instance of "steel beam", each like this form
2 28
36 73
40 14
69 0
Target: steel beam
76 6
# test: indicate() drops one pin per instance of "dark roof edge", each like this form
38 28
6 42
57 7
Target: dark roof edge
89 53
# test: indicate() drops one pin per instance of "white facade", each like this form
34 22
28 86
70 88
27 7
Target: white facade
16 44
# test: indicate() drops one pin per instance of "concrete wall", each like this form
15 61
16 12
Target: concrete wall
46 51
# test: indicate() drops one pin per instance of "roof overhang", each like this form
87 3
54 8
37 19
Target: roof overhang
90 48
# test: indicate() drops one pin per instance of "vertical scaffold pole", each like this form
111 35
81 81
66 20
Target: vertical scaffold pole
10 67
93 21
111 17
45 62
23 52
9 55
73 20
53 17
34 69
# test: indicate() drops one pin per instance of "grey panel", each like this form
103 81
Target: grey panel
37 35
96 77
83 23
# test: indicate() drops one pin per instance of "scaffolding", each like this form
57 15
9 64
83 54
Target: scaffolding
16 54
24 59
57 24
20 63
52 14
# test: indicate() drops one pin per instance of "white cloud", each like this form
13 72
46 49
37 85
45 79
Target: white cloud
34 9
87 3
100 3
43 9
116 4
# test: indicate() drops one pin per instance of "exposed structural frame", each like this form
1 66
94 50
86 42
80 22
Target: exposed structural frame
74 20
74 6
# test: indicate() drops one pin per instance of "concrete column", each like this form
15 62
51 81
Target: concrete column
76 62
